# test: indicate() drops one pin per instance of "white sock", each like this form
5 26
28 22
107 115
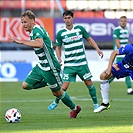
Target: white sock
104 85
129 90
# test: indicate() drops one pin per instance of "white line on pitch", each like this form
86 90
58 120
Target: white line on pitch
73 98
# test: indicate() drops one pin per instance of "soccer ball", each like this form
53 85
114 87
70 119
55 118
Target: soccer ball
13 115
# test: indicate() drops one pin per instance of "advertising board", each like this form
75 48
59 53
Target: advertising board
100 29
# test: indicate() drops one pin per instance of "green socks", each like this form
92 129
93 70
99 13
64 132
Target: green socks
128 82
57 100
67 101
92 92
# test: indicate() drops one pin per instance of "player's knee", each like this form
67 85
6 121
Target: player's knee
102 76
54 93
25 85
58 93
88 82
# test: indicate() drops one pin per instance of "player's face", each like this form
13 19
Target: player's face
123 22
68 20
27 23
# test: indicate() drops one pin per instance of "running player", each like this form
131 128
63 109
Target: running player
47 71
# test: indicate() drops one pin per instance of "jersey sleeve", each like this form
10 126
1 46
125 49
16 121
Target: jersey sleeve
38 33
58 39
116 34
84 32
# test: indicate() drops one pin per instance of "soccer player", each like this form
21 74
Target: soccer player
118 70
71 37
120 36
47 71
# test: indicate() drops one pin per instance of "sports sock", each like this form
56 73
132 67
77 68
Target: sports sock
92 92
128 82
104 86
67 101
57 100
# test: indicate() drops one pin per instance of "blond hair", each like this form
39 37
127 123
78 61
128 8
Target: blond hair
28 13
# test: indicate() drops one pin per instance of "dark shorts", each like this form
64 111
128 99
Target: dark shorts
120 73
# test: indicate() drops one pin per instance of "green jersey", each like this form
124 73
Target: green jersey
122 35
47 51
72 40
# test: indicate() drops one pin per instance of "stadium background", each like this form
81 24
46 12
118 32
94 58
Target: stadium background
99 17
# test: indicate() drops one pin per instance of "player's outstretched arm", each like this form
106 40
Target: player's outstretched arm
38 43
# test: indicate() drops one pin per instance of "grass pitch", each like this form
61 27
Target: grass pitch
36 118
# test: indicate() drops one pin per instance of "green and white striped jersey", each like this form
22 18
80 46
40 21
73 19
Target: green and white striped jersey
122 35
44 64
72 40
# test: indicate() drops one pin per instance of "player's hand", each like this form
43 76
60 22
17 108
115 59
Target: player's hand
100 53
116 67
13 39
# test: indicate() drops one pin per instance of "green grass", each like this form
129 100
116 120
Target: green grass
37 119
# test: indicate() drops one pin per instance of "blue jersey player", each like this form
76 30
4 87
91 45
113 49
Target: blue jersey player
118 70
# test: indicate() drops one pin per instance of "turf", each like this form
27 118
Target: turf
36 118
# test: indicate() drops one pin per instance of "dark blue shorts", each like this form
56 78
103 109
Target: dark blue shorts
120 73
